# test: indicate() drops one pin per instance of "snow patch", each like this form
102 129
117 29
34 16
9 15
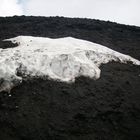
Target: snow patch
61 59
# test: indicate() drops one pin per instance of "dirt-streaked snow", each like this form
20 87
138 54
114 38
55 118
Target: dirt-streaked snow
61 59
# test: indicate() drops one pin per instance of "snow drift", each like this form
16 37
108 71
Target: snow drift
61 59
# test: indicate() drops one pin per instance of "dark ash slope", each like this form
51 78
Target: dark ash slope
106 109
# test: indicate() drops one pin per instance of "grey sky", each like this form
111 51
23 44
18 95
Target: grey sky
121 11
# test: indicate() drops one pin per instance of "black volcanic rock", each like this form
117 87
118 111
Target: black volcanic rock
106 109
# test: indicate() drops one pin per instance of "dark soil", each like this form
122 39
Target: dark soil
106 109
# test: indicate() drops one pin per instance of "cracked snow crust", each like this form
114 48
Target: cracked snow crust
61 59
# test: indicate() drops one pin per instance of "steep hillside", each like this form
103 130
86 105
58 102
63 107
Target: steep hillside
105 109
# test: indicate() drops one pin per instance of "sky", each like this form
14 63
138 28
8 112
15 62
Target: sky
120 11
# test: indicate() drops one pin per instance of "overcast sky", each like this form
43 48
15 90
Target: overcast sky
121 11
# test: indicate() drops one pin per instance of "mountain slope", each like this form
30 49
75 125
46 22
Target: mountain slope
107 109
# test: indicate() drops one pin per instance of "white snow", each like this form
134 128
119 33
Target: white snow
61 59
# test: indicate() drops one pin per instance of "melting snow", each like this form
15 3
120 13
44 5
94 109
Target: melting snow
61 59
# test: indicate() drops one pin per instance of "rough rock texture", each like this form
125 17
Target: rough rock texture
106 109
